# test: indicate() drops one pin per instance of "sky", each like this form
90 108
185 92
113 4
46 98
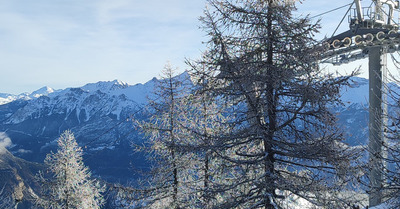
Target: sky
68 43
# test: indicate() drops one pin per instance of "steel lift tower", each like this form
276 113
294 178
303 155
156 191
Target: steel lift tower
373 33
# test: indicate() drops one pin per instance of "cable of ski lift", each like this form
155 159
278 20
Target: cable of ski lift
330 11
345 15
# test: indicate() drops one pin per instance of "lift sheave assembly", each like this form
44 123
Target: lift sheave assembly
369 26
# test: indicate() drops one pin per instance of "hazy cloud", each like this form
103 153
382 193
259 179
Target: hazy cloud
5 142
24 151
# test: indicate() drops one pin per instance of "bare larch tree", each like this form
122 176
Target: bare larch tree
262 64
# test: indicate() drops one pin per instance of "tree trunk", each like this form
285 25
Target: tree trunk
269 168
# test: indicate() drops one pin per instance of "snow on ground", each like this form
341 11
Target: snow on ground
293 201
381 206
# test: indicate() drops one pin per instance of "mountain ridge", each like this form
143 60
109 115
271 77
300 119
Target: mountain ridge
99 115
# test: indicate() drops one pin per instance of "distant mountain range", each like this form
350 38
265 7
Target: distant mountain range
7 98
99 113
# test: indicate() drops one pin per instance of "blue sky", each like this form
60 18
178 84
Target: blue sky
68 43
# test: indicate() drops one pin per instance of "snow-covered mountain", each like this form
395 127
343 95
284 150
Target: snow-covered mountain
99 113
7 98
113 98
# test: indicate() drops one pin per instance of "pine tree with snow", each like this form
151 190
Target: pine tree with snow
70 184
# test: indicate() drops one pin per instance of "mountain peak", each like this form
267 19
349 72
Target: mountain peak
42 91
106 86
119 82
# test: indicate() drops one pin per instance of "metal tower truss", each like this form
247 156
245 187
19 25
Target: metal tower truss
373 33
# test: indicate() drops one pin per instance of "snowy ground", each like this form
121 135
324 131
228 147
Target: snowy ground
295 202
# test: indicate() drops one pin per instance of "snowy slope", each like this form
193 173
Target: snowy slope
104 98
98 113
137 93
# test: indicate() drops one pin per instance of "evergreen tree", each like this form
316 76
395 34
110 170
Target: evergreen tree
70 184
261 63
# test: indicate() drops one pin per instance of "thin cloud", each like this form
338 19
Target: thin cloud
67 44
5 142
